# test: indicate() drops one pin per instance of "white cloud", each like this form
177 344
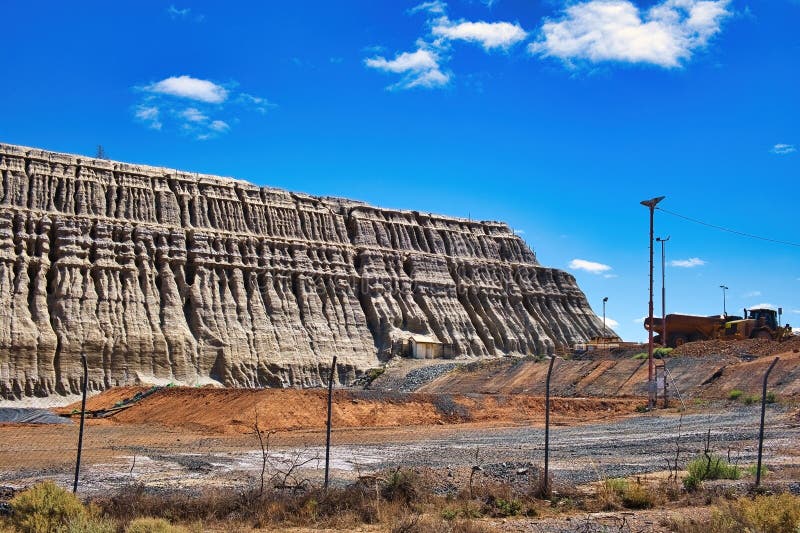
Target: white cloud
795 311
191 88
610 276
262 105
419 68
610 322
148 115
783 149
764 306
640 320
219 125
183 14
687 263
487 34
435 6
752 294
174 12
163 105
617 30
192 114
588 266
424 67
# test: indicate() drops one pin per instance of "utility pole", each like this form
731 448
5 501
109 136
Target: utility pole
663 292
651 384
724 300
605 333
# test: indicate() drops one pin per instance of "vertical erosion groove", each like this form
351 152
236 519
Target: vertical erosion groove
186 277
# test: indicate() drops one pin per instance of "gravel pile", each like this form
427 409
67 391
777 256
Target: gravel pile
420 376
752 347
515 473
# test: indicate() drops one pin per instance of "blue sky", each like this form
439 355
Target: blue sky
557 117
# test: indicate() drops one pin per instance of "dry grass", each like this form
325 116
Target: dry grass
762 514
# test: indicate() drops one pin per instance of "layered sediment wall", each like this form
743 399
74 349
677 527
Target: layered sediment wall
156 273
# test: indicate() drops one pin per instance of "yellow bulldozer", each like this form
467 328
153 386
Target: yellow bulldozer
757 323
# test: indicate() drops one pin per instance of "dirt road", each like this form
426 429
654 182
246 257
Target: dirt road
119 454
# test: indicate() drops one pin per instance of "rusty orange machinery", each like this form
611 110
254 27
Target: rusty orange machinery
756 324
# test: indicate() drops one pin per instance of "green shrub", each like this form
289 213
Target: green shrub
752 469
375 373
46 508
709 467
631 495
660 353
751 399
640 356
153 525
771 398
735 394
507 507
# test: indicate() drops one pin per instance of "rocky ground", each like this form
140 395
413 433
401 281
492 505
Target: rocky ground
193 439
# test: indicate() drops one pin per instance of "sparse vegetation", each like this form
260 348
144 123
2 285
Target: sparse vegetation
153 525
46 508
375 373
735 394
709 466
750 399
640 356
661 352
617 492
773 514
752 469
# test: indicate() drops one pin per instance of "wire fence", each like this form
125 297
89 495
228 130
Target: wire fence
115 455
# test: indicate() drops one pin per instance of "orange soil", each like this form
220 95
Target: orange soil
231 411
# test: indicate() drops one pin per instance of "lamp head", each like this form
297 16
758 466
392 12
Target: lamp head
652 202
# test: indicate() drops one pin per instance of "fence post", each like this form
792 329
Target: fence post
761 428
546 485
80 430
328 427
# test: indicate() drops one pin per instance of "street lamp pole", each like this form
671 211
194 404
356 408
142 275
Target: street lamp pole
724 300
663 292
651 384
605 334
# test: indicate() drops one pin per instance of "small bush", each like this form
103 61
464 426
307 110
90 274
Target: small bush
505 508
735 394
709 467
637 496
776 514
375 373
752 469
751 399
402 486
617 491
46 508
771 398
153 525
640 356
660 353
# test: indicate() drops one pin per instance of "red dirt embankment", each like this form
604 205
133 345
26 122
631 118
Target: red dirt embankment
712 376
218 411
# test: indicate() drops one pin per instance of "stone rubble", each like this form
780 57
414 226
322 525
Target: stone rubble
157 275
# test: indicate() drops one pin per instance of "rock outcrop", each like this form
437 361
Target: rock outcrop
159 274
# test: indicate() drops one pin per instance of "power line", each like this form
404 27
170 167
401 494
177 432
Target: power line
741 233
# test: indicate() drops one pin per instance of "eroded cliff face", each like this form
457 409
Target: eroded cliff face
155 273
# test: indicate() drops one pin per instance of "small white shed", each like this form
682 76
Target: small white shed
425 347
